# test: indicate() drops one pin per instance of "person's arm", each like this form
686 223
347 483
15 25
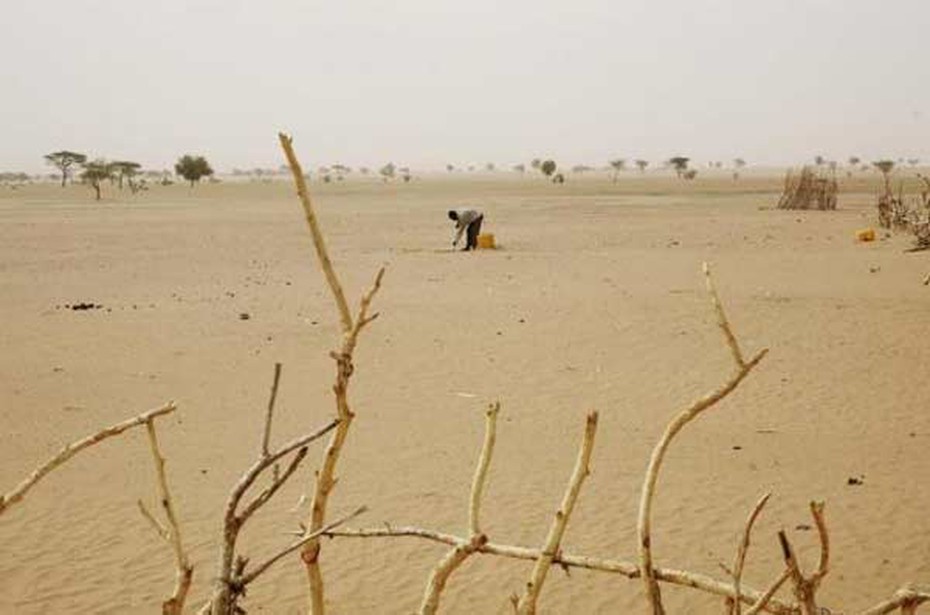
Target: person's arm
459 229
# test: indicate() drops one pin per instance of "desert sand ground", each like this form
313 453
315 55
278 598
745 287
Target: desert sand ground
594 300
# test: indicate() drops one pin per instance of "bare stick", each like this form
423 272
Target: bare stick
444 569
325 480
19 492
261 568
655 464
318 242
629 570
906 599
823 566
722 321
740 561
183 570
155 523
769 593
226 591
527 603
481 472
266 433
456 556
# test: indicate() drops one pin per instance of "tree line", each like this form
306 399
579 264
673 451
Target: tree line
94 172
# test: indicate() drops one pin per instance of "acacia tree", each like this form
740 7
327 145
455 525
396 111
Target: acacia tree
642 164
95 172
193 168
618 165
387 171
548 167
63 161
124 169
679 163
886 167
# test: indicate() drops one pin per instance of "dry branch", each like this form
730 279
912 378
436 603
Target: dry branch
460 552
527 602
740 561
629 570
269 414
184 572
805 588
227 585
761 603
906 599
325 480
653 594
19 492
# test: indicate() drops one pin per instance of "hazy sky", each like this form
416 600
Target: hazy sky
426 82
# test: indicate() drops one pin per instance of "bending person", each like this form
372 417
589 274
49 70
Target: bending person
467 221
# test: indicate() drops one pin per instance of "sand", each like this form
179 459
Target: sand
594 301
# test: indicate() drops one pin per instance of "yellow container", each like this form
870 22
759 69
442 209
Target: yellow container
486 241
866 234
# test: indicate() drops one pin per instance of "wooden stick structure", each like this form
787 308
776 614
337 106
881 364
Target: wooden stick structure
644 525
16 495
527 603
325 478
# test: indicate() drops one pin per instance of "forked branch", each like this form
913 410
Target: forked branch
14 496
644 525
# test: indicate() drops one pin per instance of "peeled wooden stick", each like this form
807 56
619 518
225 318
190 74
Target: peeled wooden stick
761 603
461 551
527 602
325 481
318 242
740 561
906 599
481 472
681 578
653 594
184 572
19 492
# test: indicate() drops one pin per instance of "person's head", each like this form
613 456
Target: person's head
453 215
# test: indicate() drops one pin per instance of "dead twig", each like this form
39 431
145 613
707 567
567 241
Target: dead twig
740 560
325 478
14 496
184 571
906 599
460 552
805 588
644 524
527 602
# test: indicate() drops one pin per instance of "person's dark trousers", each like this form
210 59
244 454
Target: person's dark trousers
473 230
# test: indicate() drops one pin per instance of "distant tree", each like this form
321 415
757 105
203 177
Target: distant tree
854 161
364 170
581 169
739 163
387 171
832 165
913 161
642 164
124 169
519 168
886 167
535 163
547 167
193 168
405 174
819 160
679 163
689 174
450 168
558 178
95 172
63 161
618 164
489 167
